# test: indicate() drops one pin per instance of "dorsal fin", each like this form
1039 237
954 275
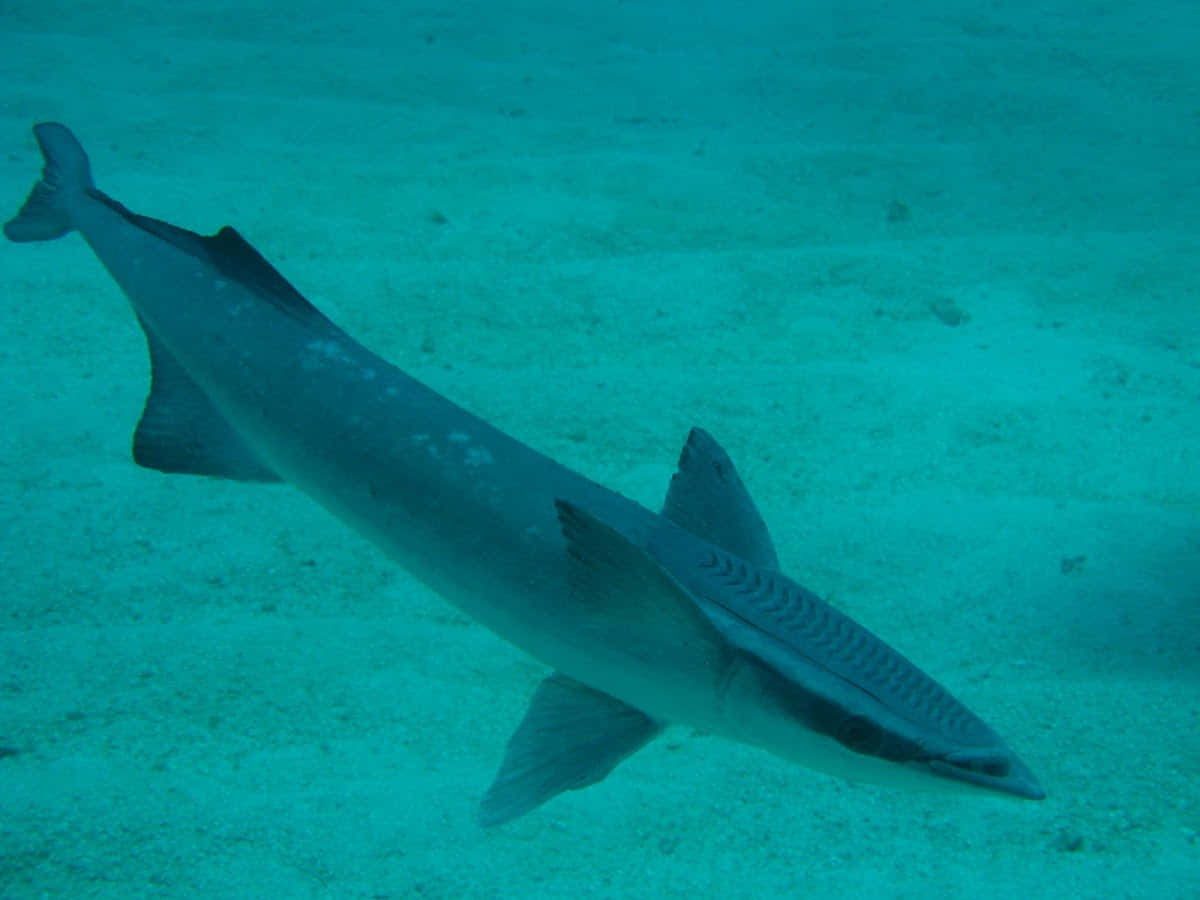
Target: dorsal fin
232 256
236 258
707 498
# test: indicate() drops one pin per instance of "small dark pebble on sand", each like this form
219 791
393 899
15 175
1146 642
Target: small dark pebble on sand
948 312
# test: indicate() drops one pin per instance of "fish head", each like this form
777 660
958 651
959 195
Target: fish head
813 717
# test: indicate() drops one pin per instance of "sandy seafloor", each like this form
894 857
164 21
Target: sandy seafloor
929 273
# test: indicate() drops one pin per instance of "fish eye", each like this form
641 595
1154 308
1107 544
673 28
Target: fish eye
991 766
860 735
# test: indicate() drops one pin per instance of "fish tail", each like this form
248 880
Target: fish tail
46 214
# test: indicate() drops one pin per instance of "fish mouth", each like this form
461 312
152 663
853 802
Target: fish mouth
996 771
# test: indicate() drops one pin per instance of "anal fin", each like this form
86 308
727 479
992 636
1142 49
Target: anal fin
181 432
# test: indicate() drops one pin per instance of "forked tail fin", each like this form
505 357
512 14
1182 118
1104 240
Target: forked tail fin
46 214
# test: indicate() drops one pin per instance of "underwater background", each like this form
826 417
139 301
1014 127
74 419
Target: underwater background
928 271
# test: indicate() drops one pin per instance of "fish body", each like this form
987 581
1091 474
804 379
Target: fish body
647 618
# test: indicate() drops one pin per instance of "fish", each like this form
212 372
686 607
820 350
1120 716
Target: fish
645 619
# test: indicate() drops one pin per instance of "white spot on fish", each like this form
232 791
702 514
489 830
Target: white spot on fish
322 353
472 455
329 349
479 456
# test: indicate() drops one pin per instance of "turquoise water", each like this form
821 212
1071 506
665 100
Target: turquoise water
927 272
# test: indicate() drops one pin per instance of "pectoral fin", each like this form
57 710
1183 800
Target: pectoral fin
572 736
629 596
